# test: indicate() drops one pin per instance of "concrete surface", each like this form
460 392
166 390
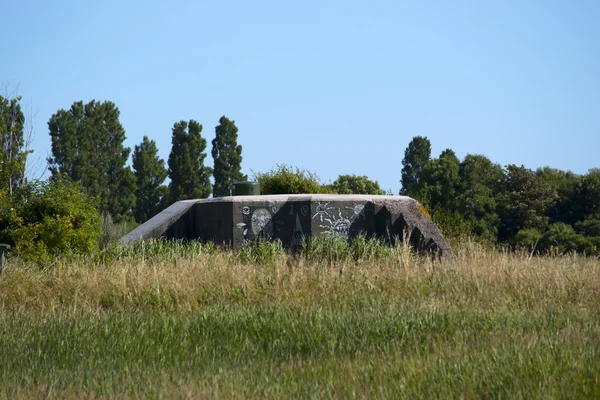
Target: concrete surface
235 220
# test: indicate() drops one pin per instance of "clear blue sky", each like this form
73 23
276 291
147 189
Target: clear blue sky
337 87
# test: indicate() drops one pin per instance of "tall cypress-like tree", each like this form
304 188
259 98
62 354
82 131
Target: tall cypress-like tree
87 146
190 178
416 156
150 173
12 154
227 156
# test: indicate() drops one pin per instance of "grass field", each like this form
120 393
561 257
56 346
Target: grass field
177 321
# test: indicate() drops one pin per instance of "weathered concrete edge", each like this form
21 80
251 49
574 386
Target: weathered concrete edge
162 221
159 224
301 197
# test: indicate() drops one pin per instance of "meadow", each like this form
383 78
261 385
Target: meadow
176 320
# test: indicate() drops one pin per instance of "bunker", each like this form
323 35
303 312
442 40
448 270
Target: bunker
235 220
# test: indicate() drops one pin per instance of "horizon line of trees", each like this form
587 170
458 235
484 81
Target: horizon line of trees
540 210
512 205
88 147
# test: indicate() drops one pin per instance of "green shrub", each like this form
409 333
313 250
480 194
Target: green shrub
452 225
111 232
44 219
562 238
354 184
289 180
527 238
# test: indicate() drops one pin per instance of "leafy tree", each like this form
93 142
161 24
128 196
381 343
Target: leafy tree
440 181
190 178
590 226
150 173
563 238
524 203
50 218
354 184
87 147
12 155
289 180
416 156
564 182
527 238
480 184
586 195
227 156
452 224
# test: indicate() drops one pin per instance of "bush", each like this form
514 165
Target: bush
562 238
354 184
452 225
289 180
111 232
527 238
44 219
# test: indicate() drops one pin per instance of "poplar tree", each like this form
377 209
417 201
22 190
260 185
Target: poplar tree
416 156
190 178
12 155
150 173
227 156
87 147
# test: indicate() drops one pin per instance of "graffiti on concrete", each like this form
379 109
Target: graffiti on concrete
337 225
266 222
261 223
297 234
304 210
275 206
340 223
358 210
322 211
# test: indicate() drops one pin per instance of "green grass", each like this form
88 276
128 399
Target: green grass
195 322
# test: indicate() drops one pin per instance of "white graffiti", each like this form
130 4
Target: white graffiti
242 227
339 225
322 211
261 223
246 210
358 210
275 206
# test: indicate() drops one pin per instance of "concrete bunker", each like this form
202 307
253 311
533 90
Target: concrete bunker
235 220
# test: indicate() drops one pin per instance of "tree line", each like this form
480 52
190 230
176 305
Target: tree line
508 206
513 206
88 147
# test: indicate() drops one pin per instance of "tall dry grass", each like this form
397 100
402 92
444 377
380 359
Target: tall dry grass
335 320
184 279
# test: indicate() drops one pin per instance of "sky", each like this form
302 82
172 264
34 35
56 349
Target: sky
335 87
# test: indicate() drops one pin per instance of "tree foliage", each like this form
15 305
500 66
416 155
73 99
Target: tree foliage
190 178
545 210
355 184
87 147
477 200
525 201
290 180
416 156
44 219
227 156
13 156
150 173
439 182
